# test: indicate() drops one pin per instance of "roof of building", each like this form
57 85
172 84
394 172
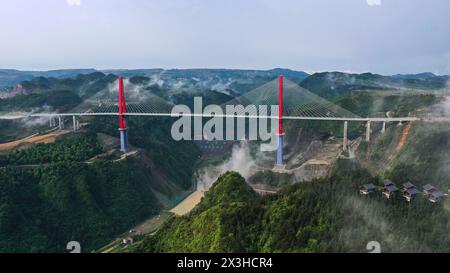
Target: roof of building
387 182
408 185
412 191
391 188
429 187
437 194
369 186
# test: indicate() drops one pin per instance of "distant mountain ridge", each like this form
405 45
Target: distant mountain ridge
424 75
11 77
228 81
61 94
334 84
221 80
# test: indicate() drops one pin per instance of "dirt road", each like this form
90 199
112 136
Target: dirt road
33 139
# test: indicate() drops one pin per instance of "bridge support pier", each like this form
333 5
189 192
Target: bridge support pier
76 123
280 150
60 123
123 139
345 141
368 131
383 127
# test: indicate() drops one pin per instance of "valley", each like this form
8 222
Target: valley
83 188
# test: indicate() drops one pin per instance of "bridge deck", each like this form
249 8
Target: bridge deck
394 119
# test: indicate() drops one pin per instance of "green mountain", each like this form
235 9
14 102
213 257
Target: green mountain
422 159
224 80
216 225
11 77
377 104
64 198
324 215
334 84
329 214
423 75
79 189
58 94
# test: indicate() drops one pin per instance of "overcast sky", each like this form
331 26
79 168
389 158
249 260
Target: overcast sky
381 36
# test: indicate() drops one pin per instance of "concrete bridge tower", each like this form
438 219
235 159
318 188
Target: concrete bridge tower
122 121
279 164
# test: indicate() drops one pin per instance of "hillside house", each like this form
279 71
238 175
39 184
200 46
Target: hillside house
409 191
436 196
407 185
389 189
367 189
428 189
128 240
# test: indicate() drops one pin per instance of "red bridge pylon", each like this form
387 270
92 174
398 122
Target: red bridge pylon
122 120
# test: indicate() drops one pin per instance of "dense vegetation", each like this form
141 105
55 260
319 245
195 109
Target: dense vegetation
50 195
424 158
270 178
366 104
83 85
42 208
62 99
218 223
78 147
325 215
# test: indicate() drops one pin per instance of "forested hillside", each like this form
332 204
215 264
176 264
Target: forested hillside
324 215
50 194
77 147
11 77
422 158
53 93
334 84
44 207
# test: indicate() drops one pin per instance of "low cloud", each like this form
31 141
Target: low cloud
373 2
134 93
73 3
240 161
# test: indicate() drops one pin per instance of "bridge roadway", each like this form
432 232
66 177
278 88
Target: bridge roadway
379 119
368 121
